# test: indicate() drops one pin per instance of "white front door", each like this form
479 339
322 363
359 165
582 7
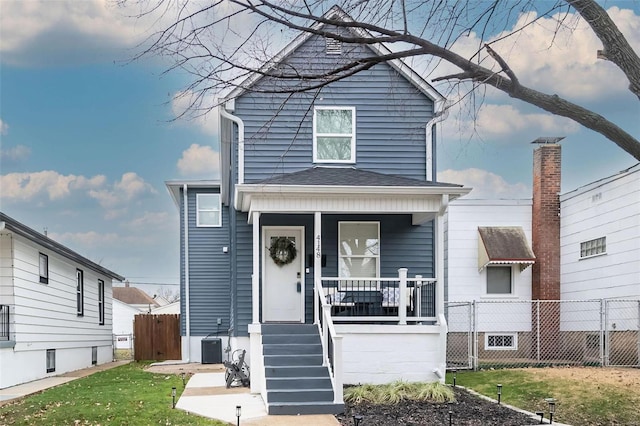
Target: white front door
283 285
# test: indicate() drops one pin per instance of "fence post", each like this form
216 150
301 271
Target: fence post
601 342
474 353
606 333
402 303
538 330
417 299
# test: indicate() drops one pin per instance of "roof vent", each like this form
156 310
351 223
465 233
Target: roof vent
333 46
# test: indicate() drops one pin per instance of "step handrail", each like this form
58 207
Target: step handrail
331 343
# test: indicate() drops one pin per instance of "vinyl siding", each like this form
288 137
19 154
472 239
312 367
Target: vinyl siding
209 271
244 270
391 114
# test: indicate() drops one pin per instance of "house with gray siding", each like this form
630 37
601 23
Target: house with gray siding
319 250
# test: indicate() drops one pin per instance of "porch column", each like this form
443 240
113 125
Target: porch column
255 277
317 263
439 258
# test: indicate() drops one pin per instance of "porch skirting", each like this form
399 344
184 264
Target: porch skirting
379 354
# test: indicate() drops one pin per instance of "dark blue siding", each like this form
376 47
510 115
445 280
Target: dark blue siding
391 114
209 272
243 272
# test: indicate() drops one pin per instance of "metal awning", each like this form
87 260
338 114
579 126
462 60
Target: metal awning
504 245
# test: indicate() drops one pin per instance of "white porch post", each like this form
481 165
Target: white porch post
317 263
255 277
402 303
439 258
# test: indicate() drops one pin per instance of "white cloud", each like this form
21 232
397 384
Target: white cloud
16 153
85 239
486 185
130 187
199 161
28 186
149 219
186 105
4 127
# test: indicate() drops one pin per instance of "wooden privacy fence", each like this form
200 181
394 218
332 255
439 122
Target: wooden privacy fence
157 337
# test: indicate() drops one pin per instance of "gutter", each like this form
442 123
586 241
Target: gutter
186 271
431 135
240 123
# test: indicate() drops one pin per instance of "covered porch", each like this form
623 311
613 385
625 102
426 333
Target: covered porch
367 270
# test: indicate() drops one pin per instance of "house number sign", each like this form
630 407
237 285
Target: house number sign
318 246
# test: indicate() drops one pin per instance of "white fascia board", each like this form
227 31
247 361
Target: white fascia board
174 187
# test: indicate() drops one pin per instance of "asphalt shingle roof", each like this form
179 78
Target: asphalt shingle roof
347 176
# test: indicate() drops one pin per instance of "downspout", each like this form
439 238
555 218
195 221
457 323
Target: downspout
240 123
186 271
431 133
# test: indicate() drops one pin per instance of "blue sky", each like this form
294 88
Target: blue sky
88 140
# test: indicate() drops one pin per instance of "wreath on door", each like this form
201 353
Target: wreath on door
282 251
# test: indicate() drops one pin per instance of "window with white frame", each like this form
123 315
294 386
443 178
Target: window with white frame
79 292
334 135
501 341
499 280
208 210
593 247
44 268
359 251
100 302
94 355
51 360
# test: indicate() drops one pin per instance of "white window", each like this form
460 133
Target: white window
94 355
501 342
51 360
79 292
593 247
100 302
44 268
359 251
334 135
208 210
499 280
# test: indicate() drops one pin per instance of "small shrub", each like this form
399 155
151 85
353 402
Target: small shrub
396 392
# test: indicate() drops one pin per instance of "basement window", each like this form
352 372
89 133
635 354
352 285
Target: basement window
51 360
94 355
495 342
594 247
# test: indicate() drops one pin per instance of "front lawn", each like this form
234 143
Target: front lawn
125 395
584 395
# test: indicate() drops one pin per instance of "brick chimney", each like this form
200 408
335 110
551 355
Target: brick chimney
545 226
545 222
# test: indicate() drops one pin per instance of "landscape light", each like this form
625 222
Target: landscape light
183 375
450 417
541 414
173 397
499 392
552 408
238 413
357 418
455 372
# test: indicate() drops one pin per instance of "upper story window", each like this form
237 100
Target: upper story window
499 280
208 210
44 268
593 247
79 292
359 251
334 135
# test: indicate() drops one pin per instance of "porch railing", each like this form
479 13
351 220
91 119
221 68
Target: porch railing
4 322
399 300
331 343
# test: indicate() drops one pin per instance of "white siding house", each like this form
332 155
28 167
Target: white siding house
600 238
55 304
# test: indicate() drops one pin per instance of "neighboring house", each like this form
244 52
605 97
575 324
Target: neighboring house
583 246
135 297
321 247
169 308
123 317
55 307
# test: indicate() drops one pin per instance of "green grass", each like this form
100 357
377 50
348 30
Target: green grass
398 391
579 404
125 395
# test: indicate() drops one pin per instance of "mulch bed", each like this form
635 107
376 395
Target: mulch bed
467 410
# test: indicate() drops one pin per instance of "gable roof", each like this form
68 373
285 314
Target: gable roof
503 245
9 224
133 296
336 13
348 176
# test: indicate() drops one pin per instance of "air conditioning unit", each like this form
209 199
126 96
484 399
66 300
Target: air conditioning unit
211 350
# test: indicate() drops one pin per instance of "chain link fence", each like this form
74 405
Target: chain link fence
503 334
122 347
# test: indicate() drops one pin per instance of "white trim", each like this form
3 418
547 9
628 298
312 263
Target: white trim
218 210
300 259
340 256
600 253
513 347
187 287
223 112
352 156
